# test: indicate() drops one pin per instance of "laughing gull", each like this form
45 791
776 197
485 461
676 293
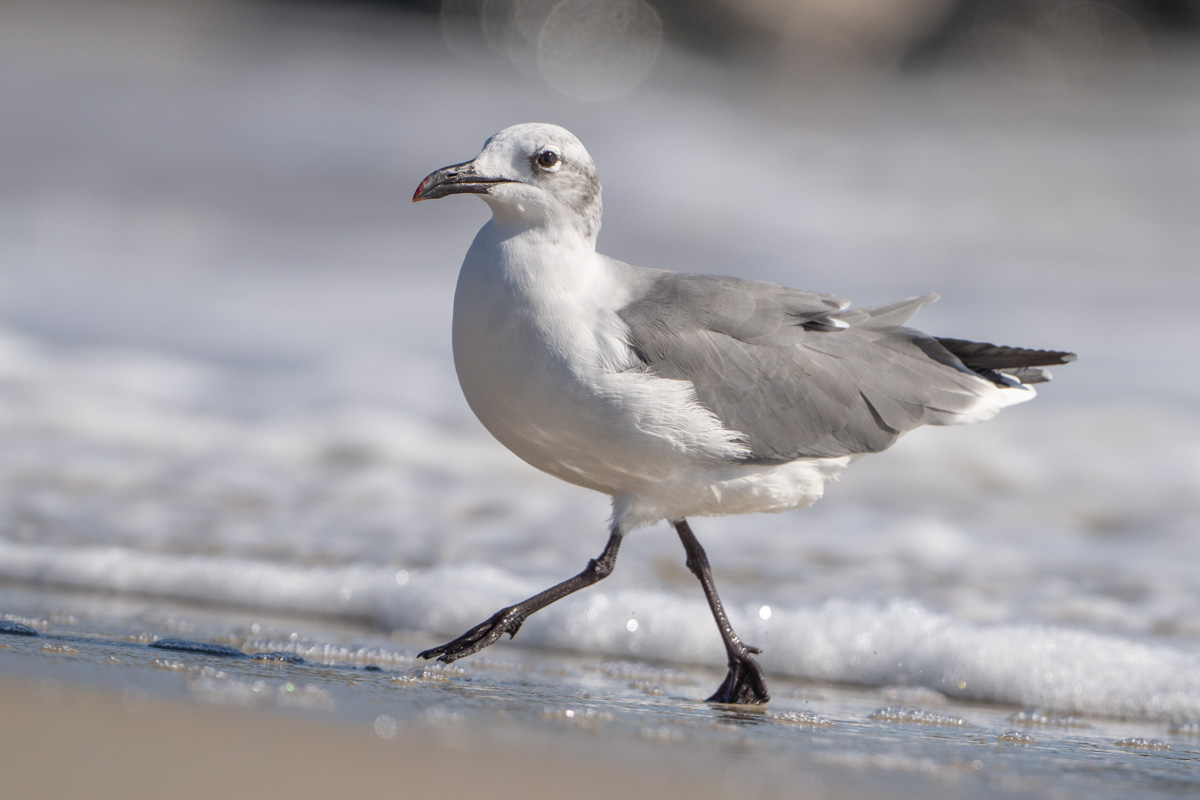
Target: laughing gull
678 395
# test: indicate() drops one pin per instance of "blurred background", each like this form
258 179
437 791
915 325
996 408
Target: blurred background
225 372
177 173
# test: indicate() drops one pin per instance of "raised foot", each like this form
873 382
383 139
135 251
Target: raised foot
506 620
744 684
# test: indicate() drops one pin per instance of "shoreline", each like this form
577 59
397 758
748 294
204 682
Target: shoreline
90 707
68 739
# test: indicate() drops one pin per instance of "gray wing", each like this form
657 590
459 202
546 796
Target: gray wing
796 372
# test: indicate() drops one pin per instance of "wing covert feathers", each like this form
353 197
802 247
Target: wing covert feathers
801 375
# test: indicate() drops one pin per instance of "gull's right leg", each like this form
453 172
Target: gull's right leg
508 620
744 683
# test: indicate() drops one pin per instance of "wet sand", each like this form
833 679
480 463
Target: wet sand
65 740
93 704
92 709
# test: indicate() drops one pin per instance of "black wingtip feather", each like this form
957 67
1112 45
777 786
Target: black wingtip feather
987 356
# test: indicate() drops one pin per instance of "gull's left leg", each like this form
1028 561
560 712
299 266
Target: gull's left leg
745 682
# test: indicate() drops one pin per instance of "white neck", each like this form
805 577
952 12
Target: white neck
558 225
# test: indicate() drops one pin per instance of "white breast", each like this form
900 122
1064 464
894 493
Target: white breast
542 359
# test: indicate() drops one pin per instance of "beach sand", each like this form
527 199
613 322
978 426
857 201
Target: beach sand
65 740
94 705
64 736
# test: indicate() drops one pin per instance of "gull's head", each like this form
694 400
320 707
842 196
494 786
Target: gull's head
532 175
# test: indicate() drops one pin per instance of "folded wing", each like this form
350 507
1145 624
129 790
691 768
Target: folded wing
801 375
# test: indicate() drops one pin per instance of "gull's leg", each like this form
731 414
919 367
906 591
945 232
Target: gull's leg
508 620
745 682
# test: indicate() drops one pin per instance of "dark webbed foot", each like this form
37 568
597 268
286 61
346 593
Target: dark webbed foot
744 684
506 620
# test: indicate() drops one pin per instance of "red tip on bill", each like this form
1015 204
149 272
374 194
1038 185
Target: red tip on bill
421 188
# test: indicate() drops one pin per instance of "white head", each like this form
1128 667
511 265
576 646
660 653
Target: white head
532 175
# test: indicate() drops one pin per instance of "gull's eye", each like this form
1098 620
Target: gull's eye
547 159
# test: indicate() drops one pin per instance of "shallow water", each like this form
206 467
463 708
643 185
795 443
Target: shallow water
225 379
